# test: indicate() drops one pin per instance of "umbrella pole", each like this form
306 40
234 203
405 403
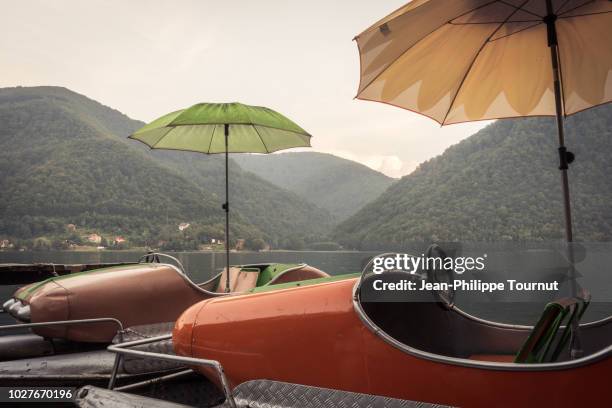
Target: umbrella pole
565 158
226 208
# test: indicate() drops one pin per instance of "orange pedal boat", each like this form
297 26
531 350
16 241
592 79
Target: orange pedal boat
324 333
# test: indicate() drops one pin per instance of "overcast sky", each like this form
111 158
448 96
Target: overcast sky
146 58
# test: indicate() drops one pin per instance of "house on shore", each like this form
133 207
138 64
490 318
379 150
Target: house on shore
95 238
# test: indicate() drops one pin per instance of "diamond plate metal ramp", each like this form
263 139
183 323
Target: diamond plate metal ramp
94 397
275 394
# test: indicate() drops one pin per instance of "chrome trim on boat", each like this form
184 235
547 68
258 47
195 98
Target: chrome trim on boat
155 380
6 305
465 314
15 307
123 349
198 286
63 323
489 365
24 313
596 323
181 268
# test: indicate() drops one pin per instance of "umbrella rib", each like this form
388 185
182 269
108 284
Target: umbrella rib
516 32
520 8
211 137
539 20
472 10
152 146
562 5
484 44
261 138
586 14
577 7
413 45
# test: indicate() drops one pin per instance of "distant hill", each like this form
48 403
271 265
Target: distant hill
285 218
338 185
500 184
64 158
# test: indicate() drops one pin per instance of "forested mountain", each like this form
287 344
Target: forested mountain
287 220
338 185
500 184
65 159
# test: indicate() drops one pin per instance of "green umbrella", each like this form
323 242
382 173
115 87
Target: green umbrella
223 128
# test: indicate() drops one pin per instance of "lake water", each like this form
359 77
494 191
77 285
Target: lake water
202 265
516 263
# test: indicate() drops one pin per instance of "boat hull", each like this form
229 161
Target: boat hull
313 335
137 294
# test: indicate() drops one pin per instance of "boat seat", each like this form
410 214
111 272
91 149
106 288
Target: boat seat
548 338
498 358
241 279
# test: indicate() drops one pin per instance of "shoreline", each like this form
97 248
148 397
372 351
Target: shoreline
93 250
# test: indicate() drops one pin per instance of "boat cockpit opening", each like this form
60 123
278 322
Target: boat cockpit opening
427 323
242 278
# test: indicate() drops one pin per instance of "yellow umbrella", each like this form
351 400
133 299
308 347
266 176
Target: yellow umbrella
466 60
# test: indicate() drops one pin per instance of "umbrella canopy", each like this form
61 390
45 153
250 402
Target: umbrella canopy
223 128
480 59
201 128
458 61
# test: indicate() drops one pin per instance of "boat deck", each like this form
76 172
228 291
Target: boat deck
255 394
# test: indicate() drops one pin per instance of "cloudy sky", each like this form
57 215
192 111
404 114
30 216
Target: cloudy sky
146 58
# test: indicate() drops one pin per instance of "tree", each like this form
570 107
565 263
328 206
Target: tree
256 244
42 244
